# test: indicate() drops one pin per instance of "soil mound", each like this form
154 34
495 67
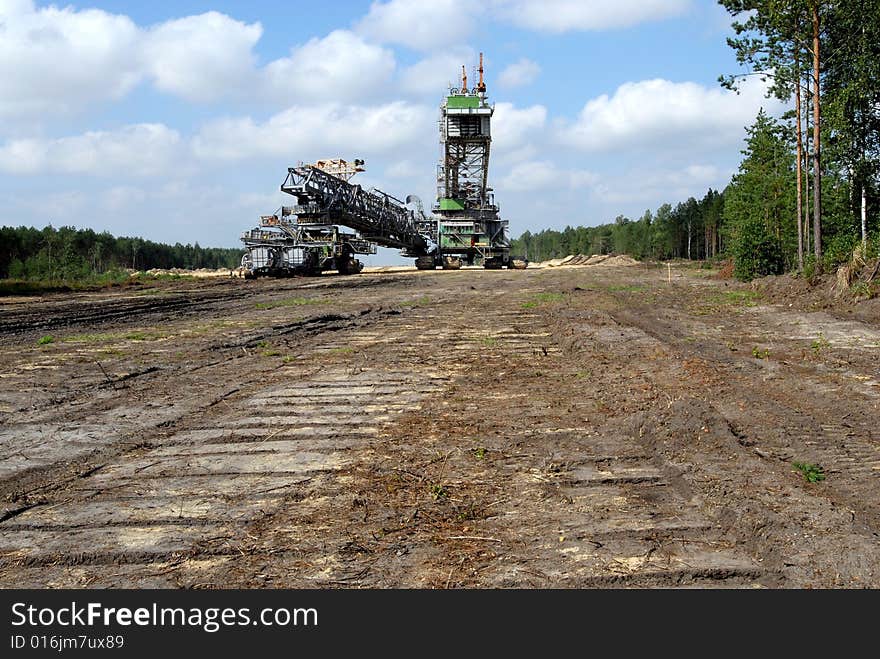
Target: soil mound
595 259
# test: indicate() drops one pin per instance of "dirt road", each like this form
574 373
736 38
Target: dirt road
573 427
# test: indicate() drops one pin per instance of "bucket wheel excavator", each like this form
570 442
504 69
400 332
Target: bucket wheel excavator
334 220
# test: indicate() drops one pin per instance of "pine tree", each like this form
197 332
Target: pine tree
758 199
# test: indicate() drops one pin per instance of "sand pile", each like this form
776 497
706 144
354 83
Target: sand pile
595 259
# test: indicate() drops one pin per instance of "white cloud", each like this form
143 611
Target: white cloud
518 74
427 25
49 207
545 175
661 184
419 24
120 198
338 67
201 58
433 75
403 169
13 7
56 60
330 130
683 115
570 15
510 126
138 150
514 130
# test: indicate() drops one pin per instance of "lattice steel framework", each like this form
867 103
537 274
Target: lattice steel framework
379 217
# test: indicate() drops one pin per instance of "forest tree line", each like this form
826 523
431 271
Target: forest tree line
70 254
807 192
691 229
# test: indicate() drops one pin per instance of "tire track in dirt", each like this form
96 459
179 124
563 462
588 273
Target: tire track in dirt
508 432
553 505
195 493
761 416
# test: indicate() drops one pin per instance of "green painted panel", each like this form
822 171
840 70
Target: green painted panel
461 102
451 205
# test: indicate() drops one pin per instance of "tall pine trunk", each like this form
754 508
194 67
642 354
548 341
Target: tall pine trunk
800 156
807 147
817 141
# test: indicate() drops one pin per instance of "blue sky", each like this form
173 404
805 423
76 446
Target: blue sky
176 121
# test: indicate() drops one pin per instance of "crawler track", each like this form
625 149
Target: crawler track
463 429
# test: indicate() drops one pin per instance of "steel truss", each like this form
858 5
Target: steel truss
379 217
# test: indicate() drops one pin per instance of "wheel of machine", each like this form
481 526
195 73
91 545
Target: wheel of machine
518 264
247 266
451 263
350 266
492 264
425 263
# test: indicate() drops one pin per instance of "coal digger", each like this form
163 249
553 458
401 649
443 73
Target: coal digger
333 220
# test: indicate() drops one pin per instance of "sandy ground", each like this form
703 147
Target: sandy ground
553 427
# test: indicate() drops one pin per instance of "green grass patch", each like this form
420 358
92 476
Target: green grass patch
40 286
863 290
488 341
760 353
724 300
290 302
45 340
416 303
819 344
541 299
438 492
737 298
812 473
342 350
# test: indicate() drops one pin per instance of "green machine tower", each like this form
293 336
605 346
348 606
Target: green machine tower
469 229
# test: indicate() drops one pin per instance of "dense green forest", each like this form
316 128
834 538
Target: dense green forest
807 192
690 229
67 254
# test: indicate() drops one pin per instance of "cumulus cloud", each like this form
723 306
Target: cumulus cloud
121 197
673 114
419 24
201 58
318 131
138 150
340 67
425 25
518 74
432 75
577 15
661 184
57 60
404 169
545 175
514 129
